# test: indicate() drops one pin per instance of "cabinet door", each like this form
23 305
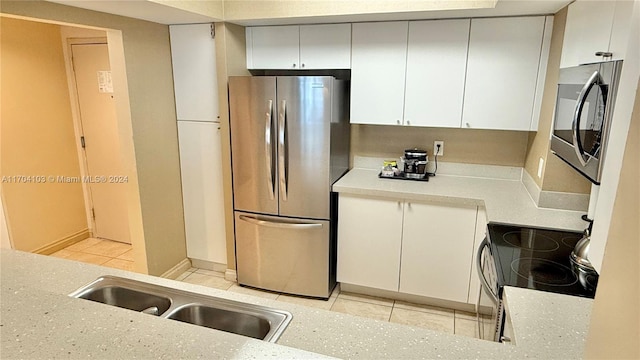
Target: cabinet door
273 47
378 62
325 46
369 236
437 247
587 31
193 53
502 71
436 66
202 193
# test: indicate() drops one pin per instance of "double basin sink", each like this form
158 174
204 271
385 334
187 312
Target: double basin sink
240 318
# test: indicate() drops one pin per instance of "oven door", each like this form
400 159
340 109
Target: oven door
580 127
489 307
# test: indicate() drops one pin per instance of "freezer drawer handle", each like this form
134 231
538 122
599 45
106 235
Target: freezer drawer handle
269 149
279 224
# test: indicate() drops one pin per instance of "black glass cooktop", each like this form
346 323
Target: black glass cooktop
537 258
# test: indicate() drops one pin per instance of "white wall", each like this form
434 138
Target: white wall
616 143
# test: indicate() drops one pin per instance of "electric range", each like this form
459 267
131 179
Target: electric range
538 258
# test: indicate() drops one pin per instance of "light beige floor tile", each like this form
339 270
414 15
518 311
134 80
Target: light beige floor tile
183 276
433 321
208 280
254 292
466 328
315 303
120 264
465 315
88 258
358 308
127 256
365 298
81 245
108 248
64 253
423 308
210 272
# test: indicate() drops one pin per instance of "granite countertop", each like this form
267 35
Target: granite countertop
505 200
38 320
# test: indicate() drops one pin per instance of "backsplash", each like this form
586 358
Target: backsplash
471 146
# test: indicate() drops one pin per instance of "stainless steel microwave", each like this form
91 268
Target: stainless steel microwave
584 107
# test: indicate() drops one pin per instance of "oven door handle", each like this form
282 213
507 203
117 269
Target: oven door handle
595 79
483 280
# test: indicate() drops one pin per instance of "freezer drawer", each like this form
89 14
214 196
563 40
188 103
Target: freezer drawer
283 254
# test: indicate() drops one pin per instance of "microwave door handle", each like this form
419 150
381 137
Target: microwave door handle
282 123
575 125
483 280
268 149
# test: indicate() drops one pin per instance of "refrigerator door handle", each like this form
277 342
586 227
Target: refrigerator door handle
283 225
269 149
282 123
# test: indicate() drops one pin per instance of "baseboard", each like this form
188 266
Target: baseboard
208 265
177 270
63 243
415 299
231 275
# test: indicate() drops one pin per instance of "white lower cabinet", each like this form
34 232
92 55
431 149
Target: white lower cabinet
369 239
415 248
437 247
202 193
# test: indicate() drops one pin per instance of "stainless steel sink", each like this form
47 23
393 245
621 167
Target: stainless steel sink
221 314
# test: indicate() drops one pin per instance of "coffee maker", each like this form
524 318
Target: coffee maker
415 163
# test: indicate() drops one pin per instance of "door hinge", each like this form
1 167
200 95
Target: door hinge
82 142
213 30
93 213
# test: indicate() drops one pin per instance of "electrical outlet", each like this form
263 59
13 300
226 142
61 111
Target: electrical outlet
437 152
540 167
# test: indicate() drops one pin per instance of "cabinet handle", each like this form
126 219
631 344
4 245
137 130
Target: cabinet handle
468 125
604 54
408 122
294 64
398 122
302 65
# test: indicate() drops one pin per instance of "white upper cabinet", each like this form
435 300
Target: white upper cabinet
502 72
193 53
296 47
273 47
436 67
378 63
325 46
595 26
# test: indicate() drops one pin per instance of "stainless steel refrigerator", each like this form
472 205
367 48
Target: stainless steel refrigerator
290 143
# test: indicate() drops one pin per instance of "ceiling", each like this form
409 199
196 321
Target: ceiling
141 9
165 13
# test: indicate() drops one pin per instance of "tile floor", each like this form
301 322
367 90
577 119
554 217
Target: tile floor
100 252
395 311
118 255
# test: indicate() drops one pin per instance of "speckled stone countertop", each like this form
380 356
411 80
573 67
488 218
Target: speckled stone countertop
39 321
505 201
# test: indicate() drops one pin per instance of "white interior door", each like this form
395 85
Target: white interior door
107 180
